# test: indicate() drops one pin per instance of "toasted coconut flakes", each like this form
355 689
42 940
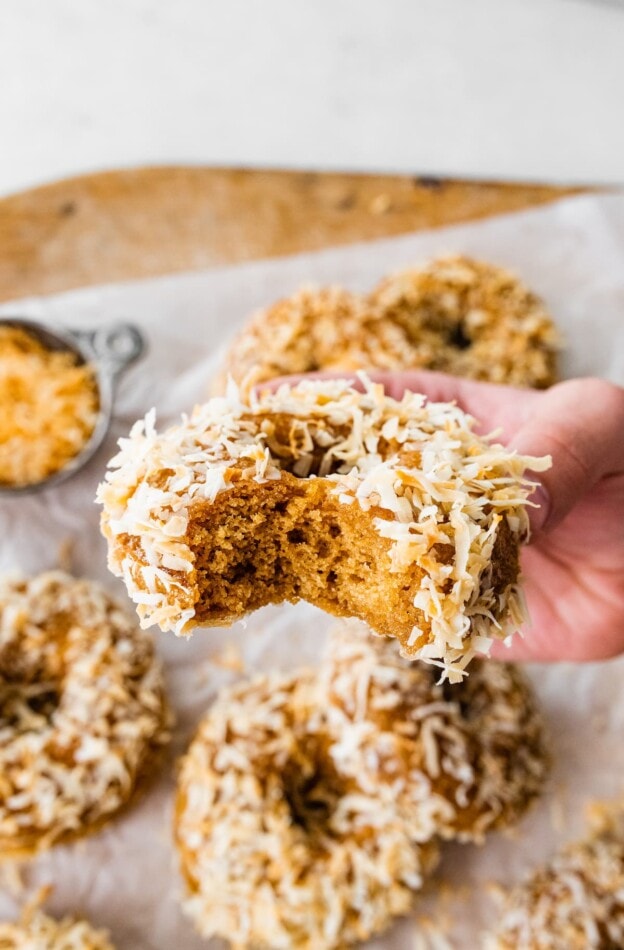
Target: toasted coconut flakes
451 314
279 847
307 810
230 658
11 878
48 408
476 754
432 934
38 931
454 497
82 710
576 902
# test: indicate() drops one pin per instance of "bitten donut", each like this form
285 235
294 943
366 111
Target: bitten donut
279 847
393 512
38 931
82 710
574 903
452 314
472 756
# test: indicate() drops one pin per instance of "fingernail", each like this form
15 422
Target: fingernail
538 516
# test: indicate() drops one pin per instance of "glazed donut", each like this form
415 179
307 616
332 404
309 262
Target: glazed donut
473 755
82 710
453 314
574 903
38 931
279 848
394 512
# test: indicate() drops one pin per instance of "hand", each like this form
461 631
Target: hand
574 566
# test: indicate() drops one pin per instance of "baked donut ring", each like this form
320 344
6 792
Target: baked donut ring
38 931
452 314
470 318
309 805
576 902
394 512
278 847
473 755
82 710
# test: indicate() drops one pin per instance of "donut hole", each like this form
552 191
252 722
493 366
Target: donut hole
458 337
312 789
30 688
303 448
434 323
26 706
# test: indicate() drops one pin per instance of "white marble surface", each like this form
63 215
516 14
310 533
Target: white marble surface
528 89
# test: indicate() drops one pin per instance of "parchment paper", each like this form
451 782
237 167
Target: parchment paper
572 253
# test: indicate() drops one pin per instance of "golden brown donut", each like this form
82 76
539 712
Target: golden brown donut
309 804
394 512
315 329
279 847
470 318
83 715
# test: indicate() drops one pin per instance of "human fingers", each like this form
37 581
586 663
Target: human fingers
494 407
580 424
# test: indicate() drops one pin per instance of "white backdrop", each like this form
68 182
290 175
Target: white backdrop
528 89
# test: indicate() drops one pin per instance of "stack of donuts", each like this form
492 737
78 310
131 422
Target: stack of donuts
311 806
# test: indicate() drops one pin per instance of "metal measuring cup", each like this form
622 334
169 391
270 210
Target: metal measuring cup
110 350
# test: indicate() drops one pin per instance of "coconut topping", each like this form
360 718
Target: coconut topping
474 755
430 483
38 931
452 314
310 804
279 848
82 712
576 902
48 408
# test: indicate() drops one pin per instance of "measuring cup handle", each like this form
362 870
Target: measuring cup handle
114 347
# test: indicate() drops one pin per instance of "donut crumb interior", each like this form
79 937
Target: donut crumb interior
296 543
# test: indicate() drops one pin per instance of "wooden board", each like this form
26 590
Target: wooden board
143 222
